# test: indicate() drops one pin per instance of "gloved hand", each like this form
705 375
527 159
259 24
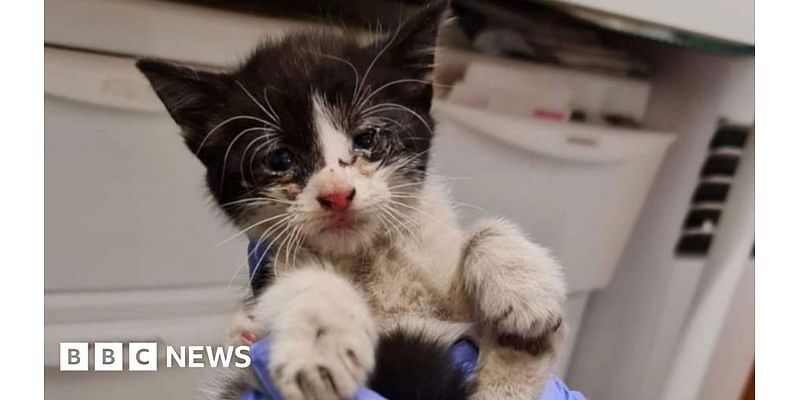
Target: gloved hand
463 353
259 355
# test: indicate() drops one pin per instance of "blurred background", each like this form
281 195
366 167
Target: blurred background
619 133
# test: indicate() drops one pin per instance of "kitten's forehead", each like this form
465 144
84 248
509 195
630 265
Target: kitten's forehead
325 64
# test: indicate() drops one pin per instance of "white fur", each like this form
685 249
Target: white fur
404 263
504 271
334 143
434 278
517 289
317 322
510 375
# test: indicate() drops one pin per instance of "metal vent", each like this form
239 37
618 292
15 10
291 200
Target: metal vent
712 189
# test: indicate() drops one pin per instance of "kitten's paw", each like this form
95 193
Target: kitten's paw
517 288
331 365
323 336
242 330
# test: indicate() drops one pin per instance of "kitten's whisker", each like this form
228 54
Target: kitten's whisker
247 92
261 202
280 238
408 226
247 148
382 220
451 178
394 214
265 194
355 74
270 245
259 223
395 82
289 244
275 200
298 242
248 201
225 122
236 272
450 202
406 185
275 228
275 116
231 203
395 230
418 157
467 205
398 107
230 147
286 241
405 161
393 226
401 163
425 213
297 250
375 59
394 121
246 262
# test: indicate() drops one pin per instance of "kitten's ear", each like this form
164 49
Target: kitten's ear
189 95
412 45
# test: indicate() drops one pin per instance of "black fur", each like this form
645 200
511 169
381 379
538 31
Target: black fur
411 366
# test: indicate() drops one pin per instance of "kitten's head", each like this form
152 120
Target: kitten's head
319 136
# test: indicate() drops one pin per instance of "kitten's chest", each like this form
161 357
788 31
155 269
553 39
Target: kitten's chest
398 284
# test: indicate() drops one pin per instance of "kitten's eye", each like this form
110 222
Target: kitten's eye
365 139
280 160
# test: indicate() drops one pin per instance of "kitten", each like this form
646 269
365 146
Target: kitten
318 144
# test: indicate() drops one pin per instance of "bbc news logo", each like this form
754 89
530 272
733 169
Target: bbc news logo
110 356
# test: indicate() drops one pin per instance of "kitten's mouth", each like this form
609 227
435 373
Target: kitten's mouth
339 221
343 221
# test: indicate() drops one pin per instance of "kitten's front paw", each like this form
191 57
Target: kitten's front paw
331 365
323 336
242 330
517 288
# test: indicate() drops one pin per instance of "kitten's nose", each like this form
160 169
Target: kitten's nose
338 200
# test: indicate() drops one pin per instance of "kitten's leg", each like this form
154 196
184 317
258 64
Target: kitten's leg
517 291
228 384
323 336
514 371
242 328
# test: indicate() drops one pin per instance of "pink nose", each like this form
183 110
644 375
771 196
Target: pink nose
338 201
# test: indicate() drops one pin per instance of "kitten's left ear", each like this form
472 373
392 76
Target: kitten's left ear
412 45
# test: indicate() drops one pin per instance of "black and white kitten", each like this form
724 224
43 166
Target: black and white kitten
318 144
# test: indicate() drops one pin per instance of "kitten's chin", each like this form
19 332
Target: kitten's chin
345 239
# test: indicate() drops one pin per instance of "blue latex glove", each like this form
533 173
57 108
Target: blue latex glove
259 354
463 353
